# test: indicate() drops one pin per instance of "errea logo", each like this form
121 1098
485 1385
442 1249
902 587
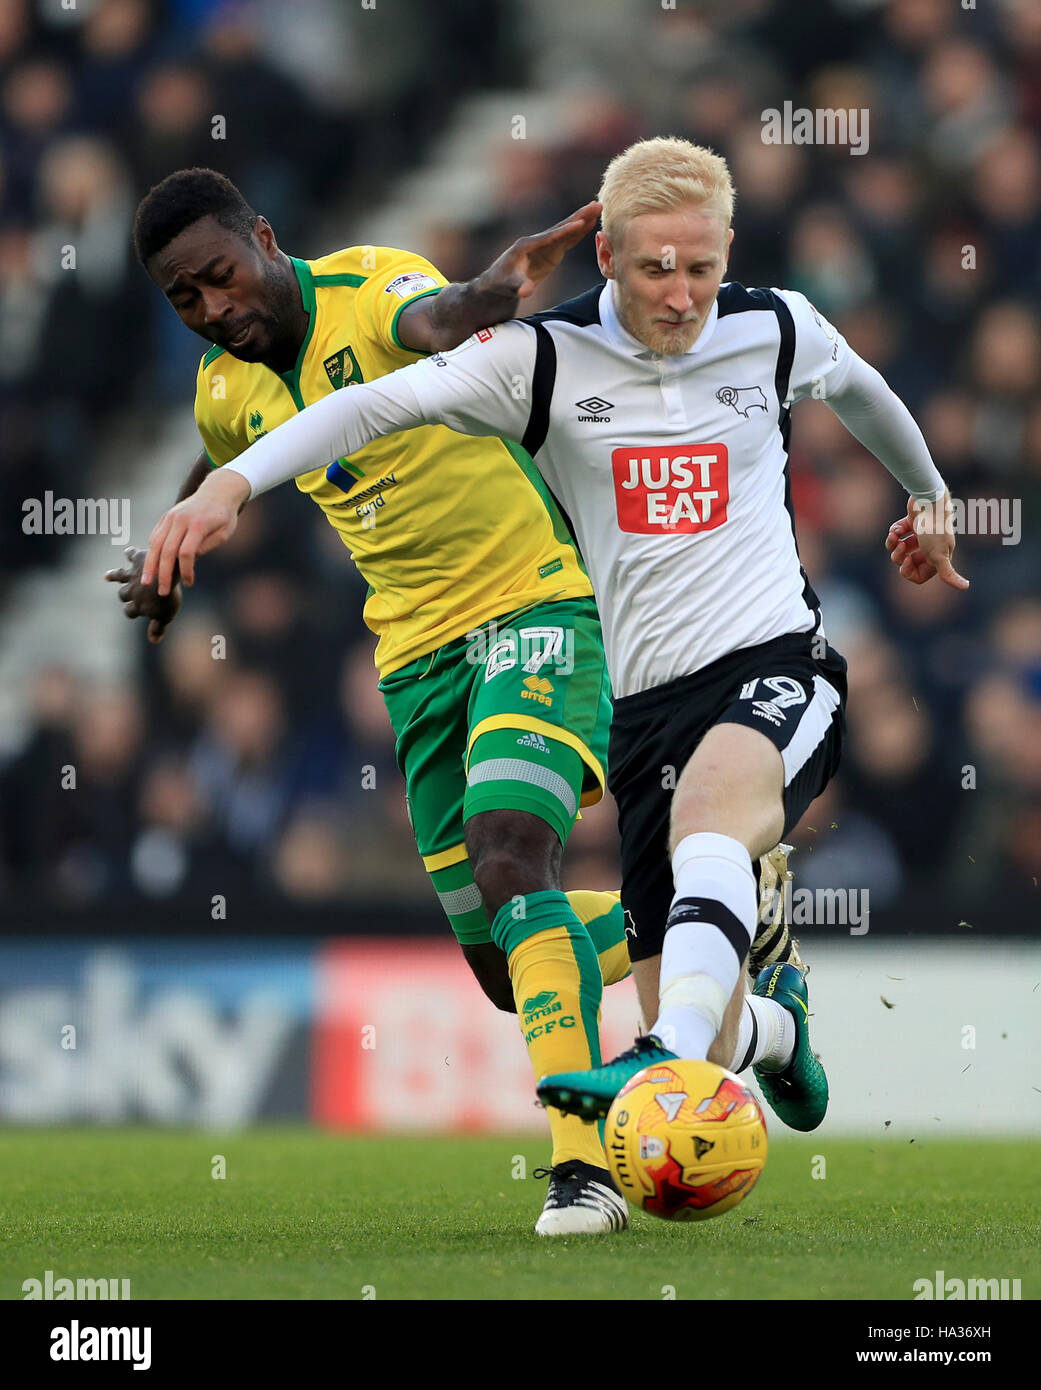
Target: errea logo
595 406
537 688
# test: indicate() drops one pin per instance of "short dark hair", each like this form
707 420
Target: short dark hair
181 199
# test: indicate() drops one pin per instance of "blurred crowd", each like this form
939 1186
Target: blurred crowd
268 766
305 106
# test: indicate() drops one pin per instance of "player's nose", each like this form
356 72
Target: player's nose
215 305
679 298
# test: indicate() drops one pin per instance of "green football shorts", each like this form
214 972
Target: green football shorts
513 715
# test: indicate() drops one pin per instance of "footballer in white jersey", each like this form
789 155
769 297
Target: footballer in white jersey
657 408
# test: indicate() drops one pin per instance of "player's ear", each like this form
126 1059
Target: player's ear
265 236
726 253
604 256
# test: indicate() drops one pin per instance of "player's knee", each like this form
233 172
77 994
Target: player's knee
695 815
731 787
511 857
700 804
502 875
756 825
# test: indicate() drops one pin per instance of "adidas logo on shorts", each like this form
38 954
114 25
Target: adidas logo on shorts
535 741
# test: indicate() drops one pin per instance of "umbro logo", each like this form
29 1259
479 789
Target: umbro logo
595 407
767 709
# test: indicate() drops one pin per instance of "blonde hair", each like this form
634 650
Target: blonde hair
661 174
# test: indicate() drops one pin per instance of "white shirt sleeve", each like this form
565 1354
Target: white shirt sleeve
826 368
821 352
482 387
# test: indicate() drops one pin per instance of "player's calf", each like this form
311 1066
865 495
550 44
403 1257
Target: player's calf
491 972
555 977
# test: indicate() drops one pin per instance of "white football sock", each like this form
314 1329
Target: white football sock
765 1036
710 928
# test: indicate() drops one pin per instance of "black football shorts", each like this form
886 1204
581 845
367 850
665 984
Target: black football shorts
780 688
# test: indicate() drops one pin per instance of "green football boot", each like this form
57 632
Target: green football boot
799 1094
590 1093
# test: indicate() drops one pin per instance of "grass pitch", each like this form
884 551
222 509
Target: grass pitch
306 1215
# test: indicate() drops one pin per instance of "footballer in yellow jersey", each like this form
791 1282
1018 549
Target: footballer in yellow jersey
491 660
439 561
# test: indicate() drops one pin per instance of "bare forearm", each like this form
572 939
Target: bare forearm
436 323
199 470
461 309
197 475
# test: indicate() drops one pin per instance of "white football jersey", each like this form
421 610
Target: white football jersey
672 470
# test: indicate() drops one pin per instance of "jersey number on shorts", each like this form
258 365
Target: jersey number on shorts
786 691
534 646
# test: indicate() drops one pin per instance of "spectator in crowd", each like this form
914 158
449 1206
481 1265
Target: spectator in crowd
248 766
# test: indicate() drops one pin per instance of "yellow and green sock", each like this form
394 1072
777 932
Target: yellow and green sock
602 916
557 984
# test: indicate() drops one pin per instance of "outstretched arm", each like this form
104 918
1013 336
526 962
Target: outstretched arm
876 415
446 319
480 388
825 367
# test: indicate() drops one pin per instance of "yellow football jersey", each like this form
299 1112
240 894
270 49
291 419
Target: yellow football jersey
449 531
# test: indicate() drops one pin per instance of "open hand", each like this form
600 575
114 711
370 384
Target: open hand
526 263
922 543
142 600
198 524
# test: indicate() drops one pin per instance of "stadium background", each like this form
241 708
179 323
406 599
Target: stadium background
241 779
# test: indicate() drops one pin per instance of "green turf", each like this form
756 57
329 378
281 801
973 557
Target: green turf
308 1215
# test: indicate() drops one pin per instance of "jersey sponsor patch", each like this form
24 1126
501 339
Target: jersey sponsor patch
483 335
404 286
675 491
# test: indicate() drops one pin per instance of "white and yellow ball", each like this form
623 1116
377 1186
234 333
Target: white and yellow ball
685 1140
